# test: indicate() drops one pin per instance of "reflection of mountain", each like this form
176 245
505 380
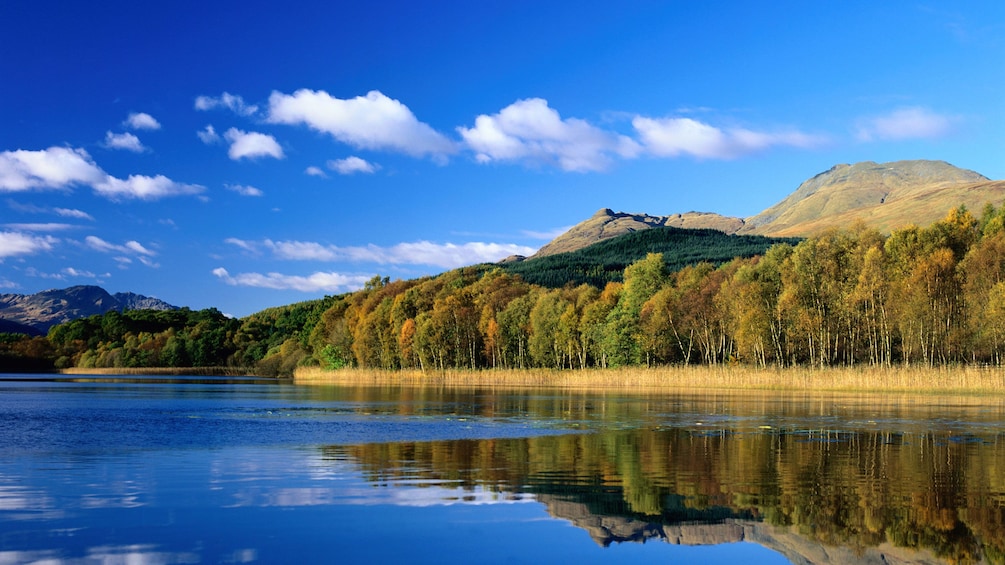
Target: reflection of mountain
606 530
816 496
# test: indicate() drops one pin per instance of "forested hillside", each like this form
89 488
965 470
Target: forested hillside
146 338
271 342
932 296
605 261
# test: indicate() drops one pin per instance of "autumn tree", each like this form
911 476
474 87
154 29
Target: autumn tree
623 333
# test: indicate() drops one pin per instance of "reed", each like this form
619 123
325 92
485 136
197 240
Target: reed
938 380
165 371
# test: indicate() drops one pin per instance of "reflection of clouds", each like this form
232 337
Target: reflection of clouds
348 486
440 496
145 554
364 494
142 553
117 501
285 497
242 556
19 503
20 498
36 556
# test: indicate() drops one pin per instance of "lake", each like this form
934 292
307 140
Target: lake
231 470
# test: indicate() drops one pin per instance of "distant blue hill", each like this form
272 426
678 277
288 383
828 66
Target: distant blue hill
35 313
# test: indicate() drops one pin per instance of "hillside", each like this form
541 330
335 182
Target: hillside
606 224
40 311
885 196
605 261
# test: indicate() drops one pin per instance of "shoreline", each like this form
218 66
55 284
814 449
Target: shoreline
914 380
165 371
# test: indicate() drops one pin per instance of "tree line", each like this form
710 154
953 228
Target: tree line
605 261
932 296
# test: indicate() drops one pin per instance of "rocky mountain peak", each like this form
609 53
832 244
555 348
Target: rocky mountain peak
42 310
883 195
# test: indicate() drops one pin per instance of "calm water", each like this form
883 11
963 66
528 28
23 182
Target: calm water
243 470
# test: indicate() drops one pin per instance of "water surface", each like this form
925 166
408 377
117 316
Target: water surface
246 470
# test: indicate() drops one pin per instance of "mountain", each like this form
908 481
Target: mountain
10 327
607 223
885 196
38 312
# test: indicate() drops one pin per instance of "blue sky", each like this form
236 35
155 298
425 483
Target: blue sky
242 155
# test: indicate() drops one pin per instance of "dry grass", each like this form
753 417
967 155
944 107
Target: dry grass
165 371
946 380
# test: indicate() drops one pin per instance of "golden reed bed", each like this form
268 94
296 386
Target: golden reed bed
942 380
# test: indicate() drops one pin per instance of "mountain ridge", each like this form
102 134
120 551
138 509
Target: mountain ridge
885 196
42 310
861 187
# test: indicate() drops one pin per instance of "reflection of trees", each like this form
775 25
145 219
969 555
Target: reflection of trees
851 489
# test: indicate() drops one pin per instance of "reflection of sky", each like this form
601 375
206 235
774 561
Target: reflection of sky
175 474
332 482
242 505
111 555
233 477
365 494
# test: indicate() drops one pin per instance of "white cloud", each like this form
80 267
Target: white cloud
33 272
82 274
315 172
226 100
44 227
905 123
672 137
208 135
61 167
16 243
317 282
252 145
64 212
244 190
530 131
99 244
352 165
546 235
245 245
141 120
55 167
72 213
129 248
26 208
64 273
144 187
126 141
304 250
371 122
137 248
445 255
